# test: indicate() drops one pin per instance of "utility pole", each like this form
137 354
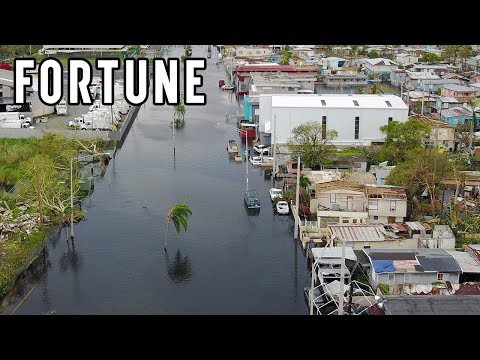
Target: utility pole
39 196
71 197
297 200
342 280
247 154
111 112
274 124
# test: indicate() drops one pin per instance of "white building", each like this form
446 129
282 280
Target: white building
379 65
357 117
252 51
54 49
405 59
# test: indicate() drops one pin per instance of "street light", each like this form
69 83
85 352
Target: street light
78 158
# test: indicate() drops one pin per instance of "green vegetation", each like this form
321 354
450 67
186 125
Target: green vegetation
19 252
286 55
312 142
430 58
402 138
179 114
437 283
384 288
178 214
39 170
352 151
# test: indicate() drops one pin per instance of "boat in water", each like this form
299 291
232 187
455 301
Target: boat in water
232 147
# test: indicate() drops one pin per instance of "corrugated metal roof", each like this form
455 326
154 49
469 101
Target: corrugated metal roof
456 111
381 61
461 88
415 225
358 232
466 262
387 254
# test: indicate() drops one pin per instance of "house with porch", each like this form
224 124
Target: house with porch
459 92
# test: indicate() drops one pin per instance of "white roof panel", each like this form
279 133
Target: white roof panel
339 101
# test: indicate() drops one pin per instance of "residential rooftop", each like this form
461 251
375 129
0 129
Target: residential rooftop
381 61
432 305
456 111
460 88
412 260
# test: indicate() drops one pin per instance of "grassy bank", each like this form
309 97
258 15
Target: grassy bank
36 171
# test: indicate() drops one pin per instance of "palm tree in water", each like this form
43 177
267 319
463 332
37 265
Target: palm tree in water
178 214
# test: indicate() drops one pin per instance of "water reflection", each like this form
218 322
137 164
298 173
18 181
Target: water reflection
180 269
70 260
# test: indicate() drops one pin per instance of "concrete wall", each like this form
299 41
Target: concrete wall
342 120
384 209
387 244
424 278
127 123
340 198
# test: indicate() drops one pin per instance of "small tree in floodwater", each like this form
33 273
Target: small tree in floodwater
178 214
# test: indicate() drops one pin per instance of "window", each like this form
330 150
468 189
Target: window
366 247
324 127
257 52
349 202
357 127
333 198
388 103
345 221
323 103
375 218
355 102
373 205
291 89
391 277
354 221
440 276
390 119
393 205
408 278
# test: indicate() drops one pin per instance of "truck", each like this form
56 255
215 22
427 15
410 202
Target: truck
61 108
14 120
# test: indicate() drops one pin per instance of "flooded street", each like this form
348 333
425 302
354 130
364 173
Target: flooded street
228 262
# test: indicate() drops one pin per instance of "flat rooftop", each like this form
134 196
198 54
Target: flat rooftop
354 101
432 305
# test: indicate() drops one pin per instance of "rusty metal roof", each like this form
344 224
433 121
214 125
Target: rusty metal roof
358 232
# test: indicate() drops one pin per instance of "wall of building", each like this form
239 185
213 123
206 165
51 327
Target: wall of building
424 278
253 52
342 120
340 196
387 244
340 217
384 210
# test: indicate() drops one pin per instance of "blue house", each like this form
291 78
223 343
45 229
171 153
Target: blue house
458 115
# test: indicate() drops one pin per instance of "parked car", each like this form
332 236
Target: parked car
228 87
251 199
261 149
255 160
282 208
274 193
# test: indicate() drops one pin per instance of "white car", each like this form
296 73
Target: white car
228 87
255 160
282 208
274 193
262 149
